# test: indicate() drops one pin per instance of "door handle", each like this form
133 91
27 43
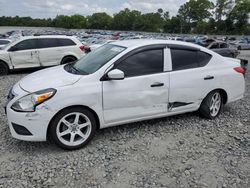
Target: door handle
157 84
209 77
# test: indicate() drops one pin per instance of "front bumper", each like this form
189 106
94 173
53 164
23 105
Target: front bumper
35 123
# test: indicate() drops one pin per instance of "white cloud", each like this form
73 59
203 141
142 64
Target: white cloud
51 8
67 7
153 5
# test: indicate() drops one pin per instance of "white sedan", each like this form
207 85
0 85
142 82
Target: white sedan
119 83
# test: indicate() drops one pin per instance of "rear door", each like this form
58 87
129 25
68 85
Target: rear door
49 51
190 78
25 54
143 92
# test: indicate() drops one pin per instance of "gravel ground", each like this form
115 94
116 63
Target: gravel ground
179 151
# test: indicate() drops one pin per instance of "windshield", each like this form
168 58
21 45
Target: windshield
97 58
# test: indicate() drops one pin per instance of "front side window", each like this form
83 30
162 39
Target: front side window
26 45
143 63
187 59
94 60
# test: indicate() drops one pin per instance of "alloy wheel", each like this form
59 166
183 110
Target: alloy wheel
73 129
215 104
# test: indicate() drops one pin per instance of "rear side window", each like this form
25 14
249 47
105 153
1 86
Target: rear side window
143 63
4 42
203 58
66 42
47 43
188 59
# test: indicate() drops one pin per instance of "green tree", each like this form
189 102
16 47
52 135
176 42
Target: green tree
173 25
240 16
126 20
152 22
222 8
99 20
61 21
193 12
196 10
78 21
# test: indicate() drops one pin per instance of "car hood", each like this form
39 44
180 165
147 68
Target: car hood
48 78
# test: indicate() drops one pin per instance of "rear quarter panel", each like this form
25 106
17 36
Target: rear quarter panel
228 79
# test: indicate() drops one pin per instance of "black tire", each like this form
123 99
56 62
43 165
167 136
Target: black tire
3 69
239 47
55 123
68 59
207 104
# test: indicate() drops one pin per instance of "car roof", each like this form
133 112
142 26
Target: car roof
136 43
145 42
47 36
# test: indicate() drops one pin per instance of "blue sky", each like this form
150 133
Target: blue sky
51 8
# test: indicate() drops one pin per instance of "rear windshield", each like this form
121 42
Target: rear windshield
97 58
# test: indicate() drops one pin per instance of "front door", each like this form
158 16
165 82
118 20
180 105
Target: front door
25 54
143 92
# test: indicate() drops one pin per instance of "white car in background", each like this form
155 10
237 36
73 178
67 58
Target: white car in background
39 51
119 83
4 42
241 45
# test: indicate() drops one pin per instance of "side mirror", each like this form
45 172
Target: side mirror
116 74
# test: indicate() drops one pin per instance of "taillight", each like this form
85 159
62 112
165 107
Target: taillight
240 70
82 48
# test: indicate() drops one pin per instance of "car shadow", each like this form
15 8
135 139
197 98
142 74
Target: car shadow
26 71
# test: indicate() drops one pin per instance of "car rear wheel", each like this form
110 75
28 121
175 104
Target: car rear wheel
3 69
68 59
73 128
211 106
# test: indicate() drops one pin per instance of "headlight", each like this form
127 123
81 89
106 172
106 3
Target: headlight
29 102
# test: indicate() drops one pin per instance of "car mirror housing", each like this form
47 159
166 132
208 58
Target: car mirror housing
116 74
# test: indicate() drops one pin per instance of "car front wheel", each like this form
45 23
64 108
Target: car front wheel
211 106
73 128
